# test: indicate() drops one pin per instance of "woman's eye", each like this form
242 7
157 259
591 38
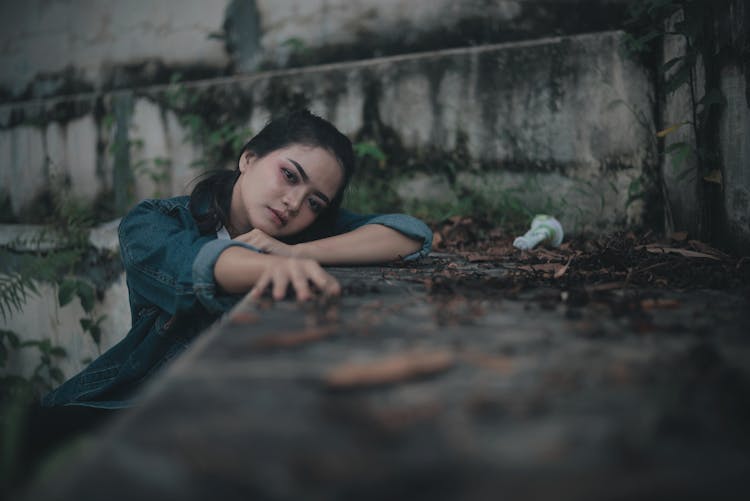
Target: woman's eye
289 175
315 205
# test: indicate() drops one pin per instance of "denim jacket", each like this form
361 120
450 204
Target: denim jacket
173 296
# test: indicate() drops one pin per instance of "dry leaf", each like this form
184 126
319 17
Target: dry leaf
545 267
670 129
703 247
608 286
658 249
549 254
437 239
244 317
560 272
660 304
400 417
714 177
475 257
287 339
679 236
502 364
390 369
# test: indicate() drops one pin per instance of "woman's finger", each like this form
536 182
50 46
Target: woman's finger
260 286
301 285
332 288
280 284
326 282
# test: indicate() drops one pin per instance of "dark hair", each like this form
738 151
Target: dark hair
296 127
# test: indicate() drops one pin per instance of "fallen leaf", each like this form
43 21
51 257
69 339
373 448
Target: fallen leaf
540 251
287 339
657 249
704 247
679 236
670 129
502 364
389 369
244 317
660 304
608 286
714 177
437 239
397 418
545 267
560 272
475 257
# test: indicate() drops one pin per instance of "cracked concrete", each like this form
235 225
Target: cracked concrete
401 391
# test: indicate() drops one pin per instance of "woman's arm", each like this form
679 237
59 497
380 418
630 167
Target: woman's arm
369 244
357 239
238 270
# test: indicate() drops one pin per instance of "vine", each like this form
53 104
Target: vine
23 271
221 136
689 21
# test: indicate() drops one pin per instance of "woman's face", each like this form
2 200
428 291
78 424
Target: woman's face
283 192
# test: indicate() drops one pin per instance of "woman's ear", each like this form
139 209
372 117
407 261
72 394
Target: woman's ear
246 160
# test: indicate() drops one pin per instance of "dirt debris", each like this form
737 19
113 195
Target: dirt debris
619 260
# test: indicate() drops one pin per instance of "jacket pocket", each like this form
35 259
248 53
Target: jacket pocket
99 377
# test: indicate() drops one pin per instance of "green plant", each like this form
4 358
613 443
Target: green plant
368 149
221 135
23 271
299 52
370 191
688 20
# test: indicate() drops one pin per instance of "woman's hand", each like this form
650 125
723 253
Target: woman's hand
299 273
261 240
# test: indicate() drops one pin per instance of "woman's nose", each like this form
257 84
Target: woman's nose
293 200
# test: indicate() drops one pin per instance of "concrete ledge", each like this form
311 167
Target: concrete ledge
395 393
562 124
36 237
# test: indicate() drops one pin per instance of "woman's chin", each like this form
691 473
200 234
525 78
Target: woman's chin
272 230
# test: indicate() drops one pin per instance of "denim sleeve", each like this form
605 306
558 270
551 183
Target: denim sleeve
165 258
408 225
206 289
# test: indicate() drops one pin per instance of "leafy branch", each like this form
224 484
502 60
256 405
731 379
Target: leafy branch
652 20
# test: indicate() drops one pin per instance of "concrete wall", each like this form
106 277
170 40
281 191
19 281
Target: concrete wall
43 318
63 46
713 207
735 152
561 123
67 46
564 122
557 123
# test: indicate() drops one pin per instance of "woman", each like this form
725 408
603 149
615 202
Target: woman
268 225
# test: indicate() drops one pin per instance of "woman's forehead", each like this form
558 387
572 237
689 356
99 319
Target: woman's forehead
317 164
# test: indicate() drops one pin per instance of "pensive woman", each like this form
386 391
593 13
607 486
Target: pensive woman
266 227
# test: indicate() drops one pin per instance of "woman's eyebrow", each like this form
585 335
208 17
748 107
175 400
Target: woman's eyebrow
306 179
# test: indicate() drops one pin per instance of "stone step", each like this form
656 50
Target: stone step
346 30
63 49
562 125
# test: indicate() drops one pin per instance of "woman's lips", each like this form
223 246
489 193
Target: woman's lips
278 218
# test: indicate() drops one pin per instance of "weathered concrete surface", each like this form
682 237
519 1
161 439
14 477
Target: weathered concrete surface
43 318
53 48
393 393
335 30
680 172
735 152
562 124
77 45
711 200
